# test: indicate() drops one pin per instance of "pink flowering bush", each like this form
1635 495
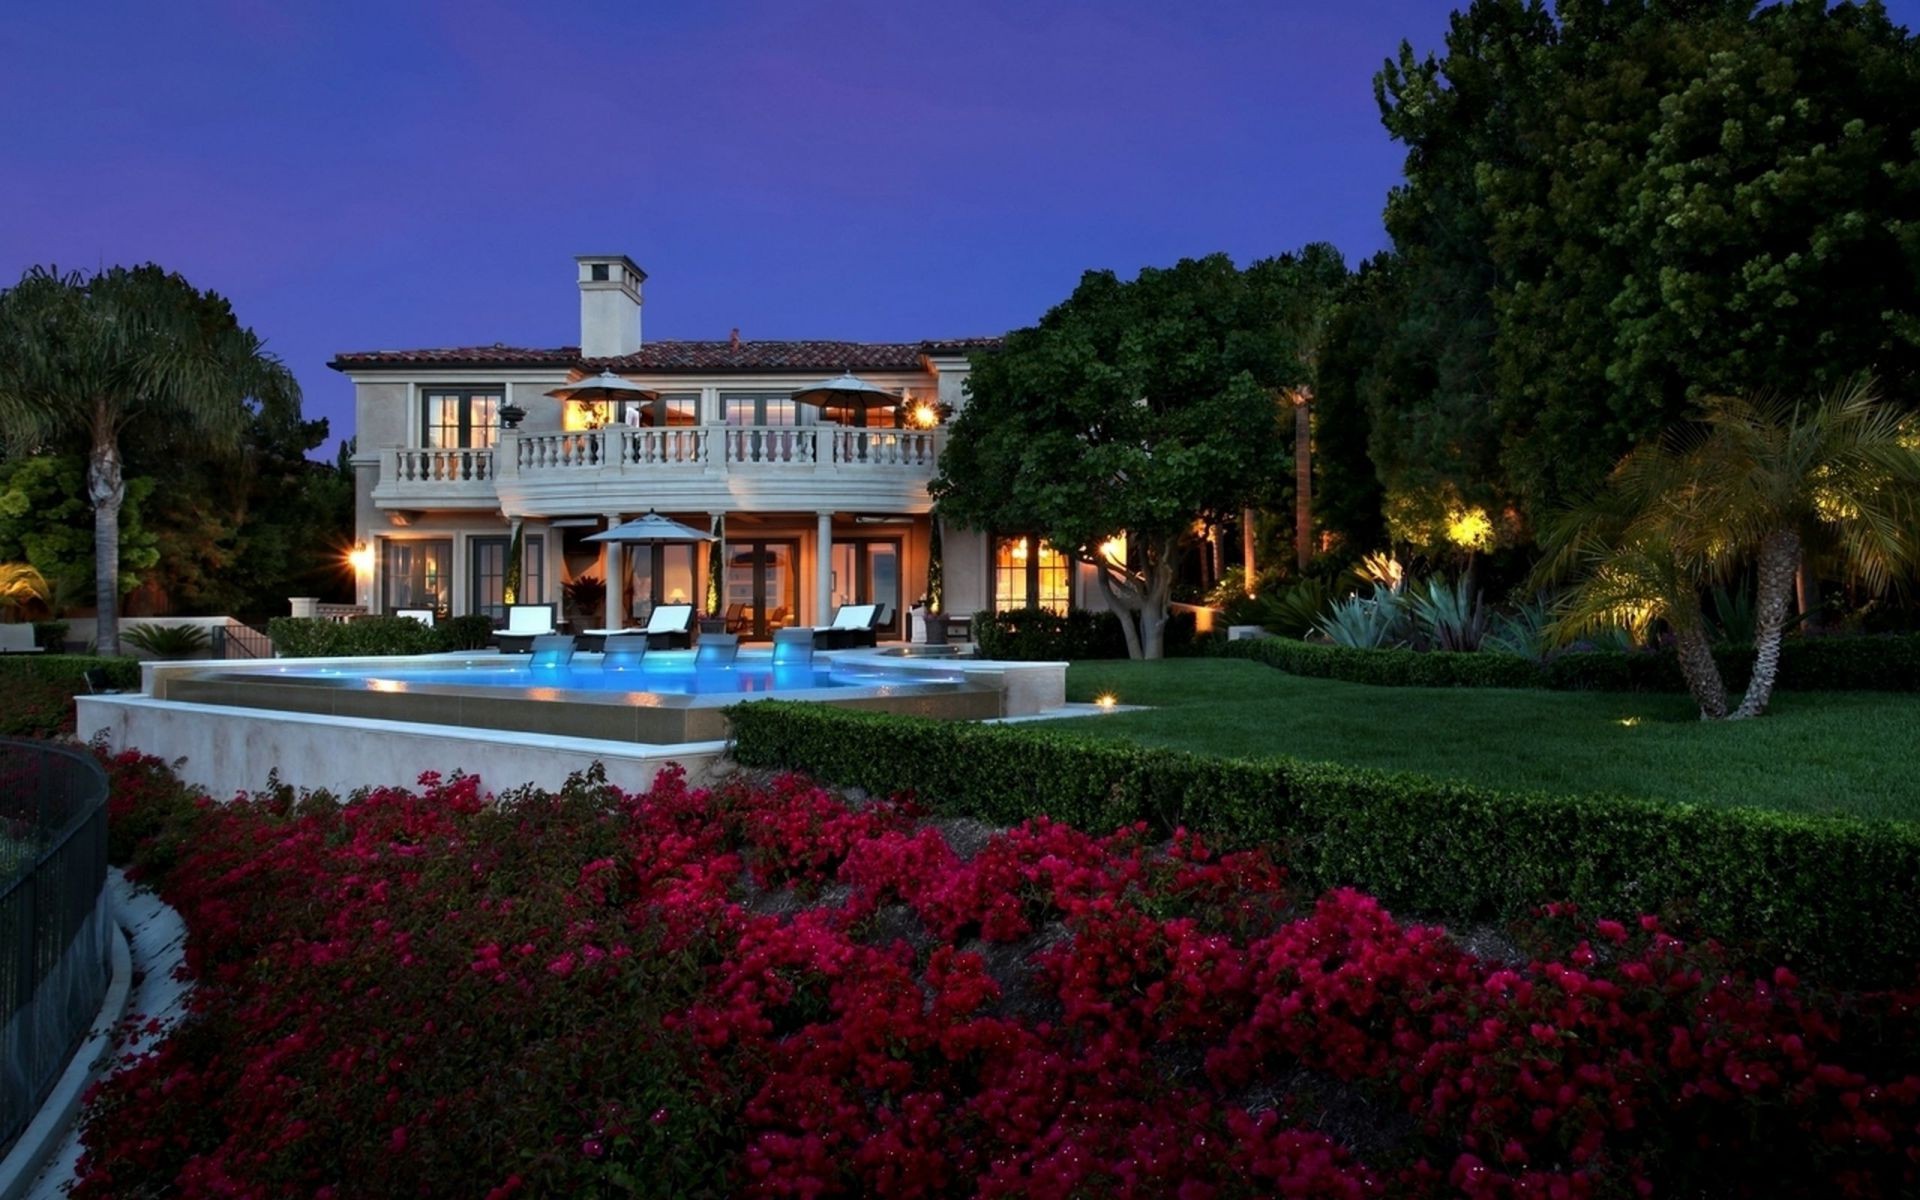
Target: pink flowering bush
763 990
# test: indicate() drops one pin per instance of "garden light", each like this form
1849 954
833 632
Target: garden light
1106 700
360 558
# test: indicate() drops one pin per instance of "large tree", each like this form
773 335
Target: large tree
1132 409
1617 208
126 349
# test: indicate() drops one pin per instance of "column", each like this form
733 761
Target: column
616 615
823 571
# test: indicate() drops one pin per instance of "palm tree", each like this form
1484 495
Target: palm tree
94 357
1839 475
1626 550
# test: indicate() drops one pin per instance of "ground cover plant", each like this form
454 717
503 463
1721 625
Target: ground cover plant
768 990
1836 753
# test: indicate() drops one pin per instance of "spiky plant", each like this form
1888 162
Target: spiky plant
1450 615
1366 624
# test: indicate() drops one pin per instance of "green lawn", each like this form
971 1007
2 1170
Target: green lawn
1816 752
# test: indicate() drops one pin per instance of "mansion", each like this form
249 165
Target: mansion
460 451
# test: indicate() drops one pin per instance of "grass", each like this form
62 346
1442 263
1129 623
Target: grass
1834 753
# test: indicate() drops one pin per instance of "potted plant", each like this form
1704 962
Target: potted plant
586 597
933 619
713 616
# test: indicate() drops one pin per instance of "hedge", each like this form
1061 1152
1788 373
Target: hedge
1884 663
1037 635
1839 896
315 637
40 689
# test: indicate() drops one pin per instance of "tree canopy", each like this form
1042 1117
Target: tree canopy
1133 409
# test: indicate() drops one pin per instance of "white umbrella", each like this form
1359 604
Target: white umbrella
849 392
651 528
604 386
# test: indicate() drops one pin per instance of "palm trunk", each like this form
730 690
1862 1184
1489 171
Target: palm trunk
106 490
1779 564
1701 671
1246 549
1302 480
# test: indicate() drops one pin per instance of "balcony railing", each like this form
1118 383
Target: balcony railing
829 459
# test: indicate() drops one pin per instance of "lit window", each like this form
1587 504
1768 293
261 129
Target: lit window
1030 573
461 418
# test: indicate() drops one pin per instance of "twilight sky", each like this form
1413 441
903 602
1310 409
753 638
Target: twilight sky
387 175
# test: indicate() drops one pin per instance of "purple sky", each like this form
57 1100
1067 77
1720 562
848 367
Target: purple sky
380 175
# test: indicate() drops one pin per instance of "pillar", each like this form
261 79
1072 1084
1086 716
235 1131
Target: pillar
616 614
823 571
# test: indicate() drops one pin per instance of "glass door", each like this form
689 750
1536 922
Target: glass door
763 586
868 572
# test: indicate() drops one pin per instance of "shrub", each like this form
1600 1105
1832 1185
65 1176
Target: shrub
50 635
1036 635
313 637
40 689
1883 663
166 641
471 632
1838 893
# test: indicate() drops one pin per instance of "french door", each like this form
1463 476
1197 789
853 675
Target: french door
763 586
867 571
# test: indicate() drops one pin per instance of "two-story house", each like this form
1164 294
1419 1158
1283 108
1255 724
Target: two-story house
821 507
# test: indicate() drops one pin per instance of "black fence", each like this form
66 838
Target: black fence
53 918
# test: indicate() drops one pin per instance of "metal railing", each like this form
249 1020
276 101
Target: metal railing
54 924
237 639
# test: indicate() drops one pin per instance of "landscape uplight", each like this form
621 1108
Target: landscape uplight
1106 700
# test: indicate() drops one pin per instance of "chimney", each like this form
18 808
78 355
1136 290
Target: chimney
733 339
609 305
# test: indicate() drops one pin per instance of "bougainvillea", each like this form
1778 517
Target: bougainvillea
765 990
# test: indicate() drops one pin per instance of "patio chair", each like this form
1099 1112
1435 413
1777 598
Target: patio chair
852 626
17 639
624 652
422 615
792 648
716 650
551 651
882 620
736 618
525 622
670 627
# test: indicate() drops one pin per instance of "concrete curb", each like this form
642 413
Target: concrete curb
51 1124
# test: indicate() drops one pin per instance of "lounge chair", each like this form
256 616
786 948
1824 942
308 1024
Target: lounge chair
623 652
422 615
736 618
551 651
525 622
17 639
670 626
852 626
716 650
792 648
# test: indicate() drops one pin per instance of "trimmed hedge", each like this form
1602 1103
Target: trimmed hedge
1882 664
1836 895
314 637
40 689
1036 635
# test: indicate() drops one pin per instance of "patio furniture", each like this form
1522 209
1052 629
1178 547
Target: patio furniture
594 641
670 627
525 622
422 615
852 626
736 618
17 639
792 648
97 682
623 652
551 651
717 650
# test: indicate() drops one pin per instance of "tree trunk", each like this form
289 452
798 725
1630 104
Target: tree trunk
1141 604
1806 595
1246 547
1302 479
1779 563
1213 542
1129 616
105 491
1701 671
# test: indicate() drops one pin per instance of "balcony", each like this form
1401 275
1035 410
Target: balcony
705 468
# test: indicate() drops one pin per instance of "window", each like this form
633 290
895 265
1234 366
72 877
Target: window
760 410
461 418
418 574
664 411
488 558
1029 573
599 272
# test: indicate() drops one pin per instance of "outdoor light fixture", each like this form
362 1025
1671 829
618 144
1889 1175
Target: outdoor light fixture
361 557
511 415
1106 700
923 415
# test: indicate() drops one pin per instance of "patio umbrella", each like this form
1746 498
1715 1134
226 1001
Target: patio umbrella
849 394
606 387
644 530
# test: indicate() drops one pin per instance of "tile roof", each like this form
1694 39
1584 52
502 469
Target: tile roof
673 357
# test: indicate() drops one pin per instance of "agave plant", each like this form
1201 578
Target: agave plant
1449 616
1291 611
1526 631
1366 624
1383 570
166 641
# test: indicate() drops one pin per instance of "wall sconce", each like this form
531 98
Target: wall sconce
511 415
923 414
360 558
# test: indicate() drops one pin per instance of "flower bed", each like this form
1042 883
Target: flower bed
763 990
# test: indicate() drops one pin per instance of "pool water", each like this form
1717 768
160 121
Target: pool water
658 675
